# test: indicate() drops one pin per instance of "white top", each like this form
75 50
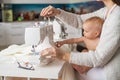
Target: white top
107 53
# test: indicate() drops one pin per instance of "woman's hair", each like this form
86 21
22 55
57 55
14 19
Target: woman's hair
116 2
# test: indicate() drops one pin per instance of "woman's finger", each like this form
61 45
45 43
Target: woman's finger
43 52
50 55
46 11
42 12
48 51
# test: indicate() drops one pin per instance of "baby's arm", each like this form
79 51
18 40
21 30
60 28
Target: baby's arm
69 41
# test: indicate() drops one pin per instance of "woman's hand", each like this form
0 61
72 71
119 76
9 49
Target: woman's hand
49 11
54 52
48 52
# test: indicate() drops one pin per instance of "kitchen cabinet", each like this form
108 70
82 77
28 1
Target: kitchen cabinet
13 33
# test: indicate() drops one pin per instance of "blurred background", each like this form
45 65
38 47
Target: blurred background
16 15
13 10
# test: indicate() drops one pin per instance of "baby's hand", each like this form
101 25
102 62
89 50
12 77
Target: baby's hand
58 44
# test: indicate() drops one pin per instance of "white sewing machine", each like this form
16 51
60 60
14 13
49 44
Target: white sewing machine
40 37
36 34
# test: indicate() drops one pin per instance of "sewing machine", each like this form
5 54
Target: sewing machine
36 35
53 30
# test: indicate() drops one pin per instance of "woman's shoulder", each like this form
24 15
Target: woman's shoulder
117 8
116 12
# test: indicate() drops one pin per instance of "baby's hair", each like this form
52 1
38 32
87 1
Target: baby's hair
97 21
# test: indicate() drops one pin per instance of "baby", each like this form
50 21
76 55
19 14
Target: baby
92 29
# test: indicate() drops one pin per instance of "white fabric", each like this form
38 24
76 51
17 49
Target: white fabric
17 50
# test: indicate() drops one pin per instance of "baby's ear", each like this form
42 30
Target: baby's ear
97 33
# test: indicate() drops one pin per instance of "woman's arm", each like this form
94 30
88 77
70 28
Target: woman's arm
77 20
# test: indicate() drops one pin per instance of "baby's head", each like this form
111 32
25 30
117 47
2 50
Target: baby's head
92 27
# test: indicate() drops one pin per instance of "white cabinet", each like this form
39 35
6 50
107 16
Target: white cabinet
13 33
